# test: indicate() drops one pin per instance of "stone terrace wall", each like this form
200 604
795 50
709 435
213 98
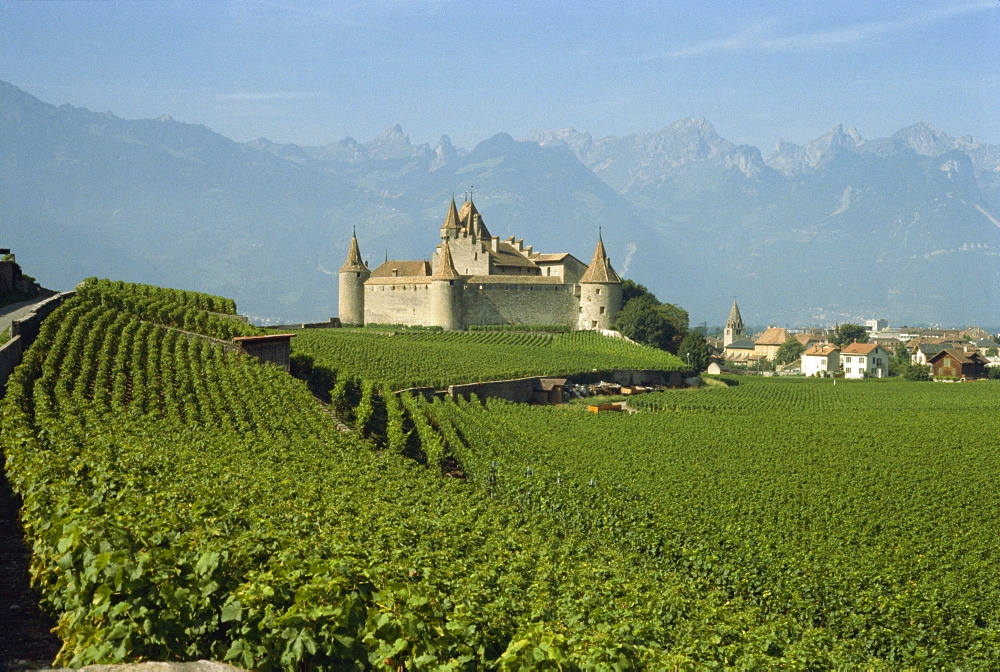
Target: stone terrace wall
519 390
23 333
28 326
10 356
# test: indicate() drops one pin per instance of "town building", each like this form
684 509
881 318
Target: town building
864 360
821 360
767 344
955 363
474 278
734 329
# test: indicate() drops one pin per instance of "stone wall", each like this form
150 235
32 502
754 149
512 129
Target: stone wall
520 390
521 304
398 303
23 333
10 356
29 325
8 276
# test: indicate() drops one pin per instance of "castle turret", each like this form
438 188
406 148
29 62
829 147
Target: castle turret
734 330
450 227
600 292
446 283
353 275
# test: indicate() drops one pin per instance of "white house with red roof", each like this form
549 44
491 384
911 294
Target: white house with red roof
860 360
821 360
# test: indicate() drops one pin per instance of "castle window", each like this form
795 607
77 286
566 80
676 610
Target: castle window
602 310
598 290
358 274
593 324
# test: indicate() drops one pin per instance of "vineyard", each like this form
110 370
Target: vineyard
439 359
185 501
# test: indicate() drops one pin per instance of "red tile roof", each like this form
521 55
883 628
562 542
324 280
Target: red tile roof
858 348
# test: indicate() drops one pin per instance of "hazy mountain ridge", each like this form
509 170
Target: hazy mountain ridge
840 228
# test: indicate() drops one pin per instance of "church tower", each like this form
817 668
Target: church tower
353 275
446 283
600 292
734 330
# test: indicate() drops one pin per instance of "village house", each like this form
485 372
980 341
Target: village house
821 360
864 360
740 352
767 344
955 363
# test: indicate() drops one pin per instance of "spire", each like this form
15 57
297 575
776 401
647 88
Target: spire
467 216
600 267
354 262
735 320
446 267
451 219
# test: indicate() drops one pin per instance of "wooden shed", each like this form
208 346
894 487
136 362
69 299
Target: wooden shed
274 348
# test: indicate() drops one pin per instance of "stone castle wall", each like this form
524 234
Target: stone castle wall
519 304
398 303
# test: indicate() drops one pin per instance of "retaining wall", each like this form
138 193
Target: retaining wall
520 390
23 333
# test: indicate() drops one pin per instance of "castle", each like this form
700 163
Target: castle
475 278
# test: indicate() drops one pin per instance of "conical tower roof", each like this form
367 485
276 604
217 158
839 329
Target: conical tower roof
472 221
354 262
446 266
451 219
600 267
735 320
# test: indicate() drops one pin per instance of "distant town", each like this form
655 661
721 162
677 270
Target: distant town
873 349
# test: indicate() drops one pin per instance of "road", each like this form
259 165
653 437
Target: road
16 311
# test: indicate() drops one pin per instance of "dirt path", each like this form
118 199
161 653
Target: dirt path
26 639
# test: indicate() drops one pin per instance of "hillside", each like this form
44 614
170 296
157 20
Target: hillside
184 501
841 228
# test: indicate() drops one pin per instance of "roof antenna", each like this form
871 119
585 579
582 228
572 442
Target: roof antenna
471 187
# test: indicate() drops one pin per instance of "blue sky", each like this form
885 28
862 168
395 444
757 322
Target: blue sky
315 72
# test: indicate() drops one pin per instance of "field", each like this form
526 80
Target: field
415 359
860 515
185 502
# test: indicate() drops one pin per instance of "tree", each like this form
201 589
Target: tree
917 372
633 290
789 351
645 319
643 322
991 352
693 351
849 333
900 361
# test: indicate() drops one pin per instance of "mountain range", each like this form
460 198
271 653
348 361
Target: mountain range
839 229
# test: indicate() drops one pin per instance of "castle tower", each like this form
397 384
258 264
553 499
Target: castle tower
734 330
353 275
446 283
600 292
450 229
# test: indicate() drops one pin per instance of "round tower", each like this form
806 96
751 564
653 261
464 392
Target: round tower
445 299
353 275
600 292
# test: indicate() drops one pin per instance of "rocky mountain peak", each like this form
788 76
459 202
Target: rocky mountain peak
929 141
